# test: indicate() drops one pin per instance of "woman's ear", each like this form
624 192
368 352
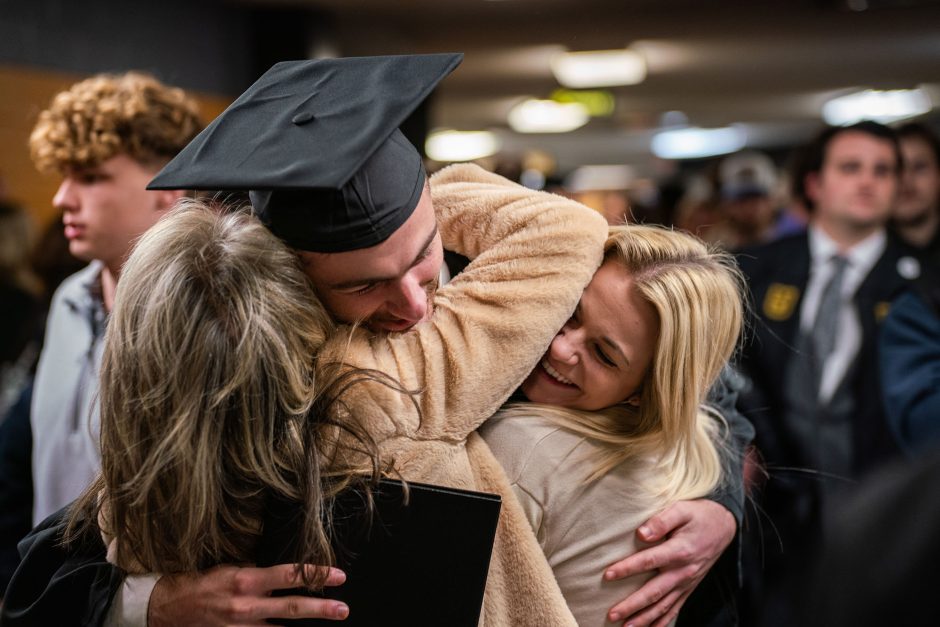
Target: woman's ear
633 400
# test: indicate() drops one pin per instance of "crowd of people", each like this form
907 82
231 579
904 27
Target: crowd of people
675 417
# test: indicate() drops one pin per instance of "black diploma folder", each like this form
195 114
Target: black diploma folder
420 560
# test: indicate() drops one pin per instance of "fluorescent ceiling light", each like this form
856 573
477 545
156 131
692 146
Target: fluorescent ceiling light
695 143
601 68
600 178
599 103
547 116
881 106
446 146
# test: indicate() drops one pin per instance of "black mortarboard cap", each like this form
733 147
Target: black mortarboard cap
317 145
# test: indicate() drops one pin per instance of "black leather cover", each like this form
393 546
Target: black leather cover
420 560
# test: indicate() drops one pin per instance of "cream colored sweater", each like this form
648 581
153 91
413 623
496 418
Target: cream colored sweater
533 253
582 527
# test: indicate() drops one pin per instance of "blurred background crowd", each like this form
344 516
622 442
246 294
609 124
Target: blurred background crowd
709 117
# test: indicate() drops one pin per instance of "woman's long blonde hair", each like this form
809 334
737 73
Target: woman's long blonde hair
209 402
698 297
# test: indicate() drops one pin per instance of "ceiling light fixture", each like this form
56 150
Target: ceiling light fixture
881 106
448 146
547 116
600 178
600 68
599 103
696 143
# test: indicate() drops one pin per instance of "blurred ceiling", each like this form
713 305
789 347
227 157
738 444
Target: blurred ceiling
766 64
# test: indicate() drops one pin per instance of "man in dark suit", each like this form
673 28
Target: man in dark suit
814 395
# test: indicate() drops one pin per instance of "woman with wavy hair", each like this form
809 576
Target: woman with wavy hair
210 401
616 428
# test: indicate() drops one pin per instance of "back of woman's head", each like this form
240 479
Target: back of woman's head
206 384
699 298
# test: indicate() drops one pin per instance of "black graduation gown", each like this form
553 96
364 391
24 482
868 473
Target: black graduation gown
59 586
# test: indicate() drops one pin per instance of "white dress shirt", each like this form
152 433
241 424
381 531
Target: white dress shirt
861 259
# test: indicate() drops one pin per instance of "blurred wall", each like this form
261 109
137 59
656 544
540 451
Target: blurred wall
213 48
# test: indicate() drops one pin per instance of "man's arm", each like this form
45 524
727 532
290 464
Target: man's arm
55 585
695 533
238 595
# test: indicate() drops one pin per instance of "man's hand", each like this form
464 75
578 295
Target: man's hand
696 532
233 595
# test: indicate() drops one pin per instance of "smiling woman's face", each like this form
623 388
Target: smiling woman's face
602 354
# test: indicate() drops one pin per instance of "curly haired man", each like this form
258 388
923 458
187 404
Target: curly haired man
106 136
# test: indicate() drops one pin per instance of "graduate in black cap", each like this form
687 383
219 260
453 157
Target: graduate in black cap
317 145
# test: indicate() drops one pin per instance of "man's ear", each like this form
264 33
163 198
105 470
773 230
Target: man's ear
811 186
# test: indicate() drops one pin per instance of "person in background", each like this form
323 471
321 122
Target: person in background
915 219
747 189
21 322
106 137
812 367
697 210
894 515
910 363
20 302
51 263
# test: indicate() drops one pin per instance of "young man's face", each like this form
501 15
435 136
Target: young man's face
388 286
107 207
920 181
857 184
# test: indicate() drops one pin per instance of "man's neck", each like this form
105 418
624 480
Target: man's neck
844 235
109 279
921 230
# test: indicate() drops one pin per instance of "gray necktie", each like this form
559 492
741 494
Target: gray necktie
827 316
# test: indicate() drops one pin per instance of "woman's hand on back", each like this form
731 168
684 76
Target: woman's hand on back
694 534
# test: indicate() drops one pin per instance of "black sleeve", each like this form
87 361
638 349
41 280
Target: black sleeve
723 397
55 585
16 485
713 601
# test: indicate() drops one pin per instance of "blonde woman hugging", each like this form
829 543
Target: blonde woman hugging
616 429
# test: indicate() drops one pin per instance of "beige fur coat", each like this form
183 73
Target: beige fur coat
533 253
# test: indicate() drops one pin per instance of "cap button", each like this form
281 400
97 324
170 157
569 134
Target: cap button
302 118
